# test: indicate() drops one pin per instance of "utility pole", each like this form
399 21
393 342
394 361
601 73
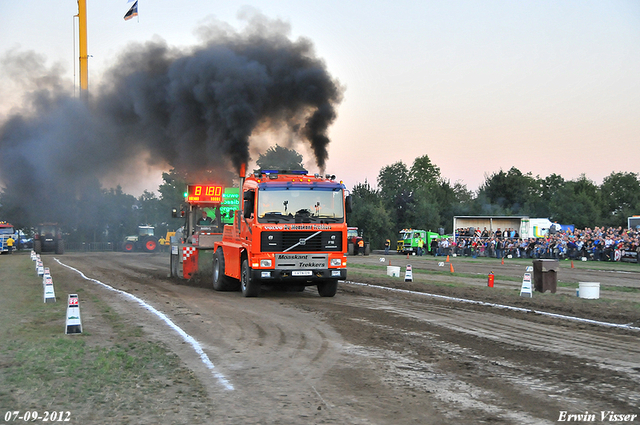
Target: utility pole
82 35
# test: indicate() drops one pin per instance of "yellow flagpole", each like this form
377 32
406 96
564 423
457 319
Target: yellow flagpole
84 66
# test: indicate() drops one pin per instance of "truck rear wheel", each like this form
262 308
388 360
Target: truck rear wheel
60 247
221 282
37 246
250 288
328 288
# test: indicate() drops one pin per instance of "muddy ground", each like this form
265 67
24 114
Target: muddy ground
372 356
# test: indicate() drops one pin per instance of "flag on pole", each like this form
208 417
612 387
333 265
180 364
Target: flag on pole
132 12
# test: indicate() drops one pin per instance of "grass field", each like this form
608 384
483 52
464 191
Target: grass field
374 270
125 378
616 303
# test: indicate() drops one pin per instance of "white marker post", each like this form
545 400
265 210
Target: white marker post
408 274
525 290
45 276
49 293
74 324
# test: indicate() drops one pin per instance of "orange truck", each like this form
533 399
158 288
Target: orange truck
290 230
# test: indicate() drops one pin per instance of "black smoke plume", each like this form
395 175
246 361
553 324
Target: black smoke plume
191 109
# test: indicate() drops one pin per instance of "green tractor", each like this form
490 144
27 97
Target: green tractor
145 240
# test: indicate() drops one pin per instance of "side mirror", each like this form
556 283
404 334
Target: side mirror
348 203
249 198
248 208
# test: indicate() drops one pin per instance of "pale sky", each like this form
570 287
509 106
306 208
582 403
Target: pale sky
479 86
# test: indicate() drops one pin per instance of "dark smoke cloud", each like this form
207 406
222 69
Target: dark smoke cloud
192 109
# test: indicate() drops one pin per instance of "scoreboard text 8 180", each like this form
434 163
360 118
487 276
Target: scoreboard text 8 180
204 194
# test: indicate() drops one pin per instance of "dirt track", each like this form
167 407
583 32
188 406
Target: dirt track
370 356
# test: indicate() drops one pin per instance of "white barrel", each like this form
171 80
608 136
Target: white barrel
589 290
393 271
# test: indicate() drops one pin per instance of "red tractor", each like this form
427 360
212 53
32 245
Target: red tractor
356 244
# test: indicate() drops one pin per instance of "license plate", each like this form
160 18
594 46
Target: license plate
301 273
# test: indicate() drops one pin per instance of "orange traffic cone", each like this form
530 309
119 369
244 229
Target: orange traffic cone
503 261
572 264
407 255
451 267
447 259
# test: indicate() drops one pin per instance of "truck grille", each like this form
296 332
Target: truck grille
318 241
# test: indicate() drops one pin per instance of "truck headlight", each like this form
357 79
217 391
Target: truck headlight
265 263
336 262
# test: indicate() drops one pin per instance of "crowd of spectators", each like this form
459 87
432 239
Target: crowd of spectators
597 244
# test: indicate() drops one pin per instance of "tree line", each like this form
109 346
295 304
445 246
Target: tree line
420 197
403 197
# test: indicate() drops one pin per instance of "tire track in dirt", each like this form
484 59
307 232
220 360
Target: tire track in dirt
610 356
260 344
369 357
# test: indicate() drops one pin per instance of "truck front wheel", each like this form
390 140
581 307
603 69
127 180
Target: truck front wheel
250 288
221 282
328 288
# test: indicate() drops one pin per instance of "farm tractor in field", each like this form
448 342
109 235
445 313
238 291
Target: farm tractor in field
47 237
144 241
355 242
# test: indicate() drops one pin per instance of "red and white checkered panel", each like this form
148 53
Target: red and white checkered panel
187 251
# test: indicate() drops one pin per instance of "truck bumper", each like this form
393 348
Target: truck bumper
291 276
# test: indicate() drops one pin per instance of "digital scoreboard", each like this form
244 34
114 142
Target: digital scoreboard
204 194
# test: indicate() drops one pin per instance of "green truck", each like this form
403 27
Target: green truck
408 242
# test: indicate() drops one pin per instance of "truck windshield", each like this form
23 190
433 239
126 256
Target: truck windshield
6 230
301 205
47 230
